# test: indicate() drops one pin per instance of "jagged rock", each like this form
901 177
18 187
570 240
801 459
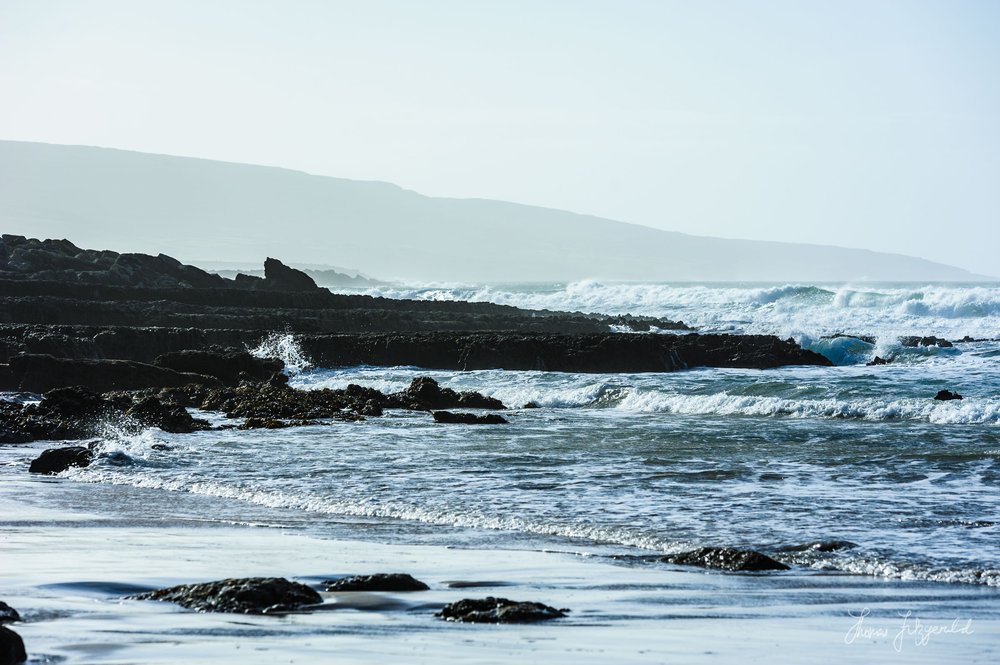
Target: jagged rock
377 582
878 360
447 417
498 610
725 558
531 405
279 277
57 460
250 595
914 340
947 395
11 647
8 614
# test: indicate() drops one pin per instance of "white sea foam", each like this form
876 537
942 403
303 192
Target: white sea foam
944 310
968 411
284 347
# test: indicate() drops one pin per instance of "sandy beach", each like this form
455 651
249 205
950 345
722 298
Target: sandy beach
67 568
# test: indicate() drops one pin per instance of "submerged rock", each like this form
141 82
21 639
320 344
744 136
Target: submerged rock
468 418
498 610
249 595
878 360
11 647
57 460
8 614
947 395
377 582
725 558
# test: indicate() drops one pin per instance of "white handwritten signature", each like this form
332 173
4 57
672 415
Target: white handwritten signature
911 629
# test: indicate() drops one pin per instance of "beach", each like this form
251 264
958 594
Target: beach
71 551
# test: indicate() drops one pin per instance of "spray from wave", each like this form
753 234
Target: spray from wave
284 347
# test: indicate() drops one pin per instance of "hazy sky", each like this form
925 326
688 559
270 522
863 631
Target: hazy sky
871 124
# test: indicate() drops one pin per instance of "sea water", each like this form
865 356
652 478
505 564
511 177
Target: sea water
632 465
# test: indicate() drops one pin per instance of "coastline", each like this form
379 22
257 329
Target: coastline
66 568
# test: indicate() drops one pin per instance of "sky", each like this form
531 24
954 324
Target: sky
873 125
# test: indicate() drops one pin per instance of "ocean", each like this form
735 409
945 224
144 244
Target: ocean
572 502
636 464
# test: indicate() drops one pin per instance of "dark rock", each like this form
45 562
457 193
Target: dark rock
250 595
915 340
424 394
229 367
821 546
11 647
41 373
531 405
279 277
498 610
56 460
725 558
264 423
600 353
151 412
8 614
946 395
377 582
448 417
13 436
878 360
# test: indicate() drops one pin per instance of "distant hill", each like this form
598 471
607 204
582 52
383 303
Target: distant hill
202 210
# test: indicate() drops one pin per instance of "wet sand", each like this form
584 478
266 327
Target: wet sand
66 570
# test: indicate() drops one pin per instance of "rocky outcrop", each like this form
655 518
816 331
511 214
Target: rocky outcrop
425 394
57 460
11 647
78 413
725 558
498 610
279 277
53 282
600 353
276 400
377 582
449 418
61 261
250 595
947 396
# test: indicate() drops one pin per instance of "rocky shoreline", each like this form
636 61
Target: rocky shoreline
104 320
